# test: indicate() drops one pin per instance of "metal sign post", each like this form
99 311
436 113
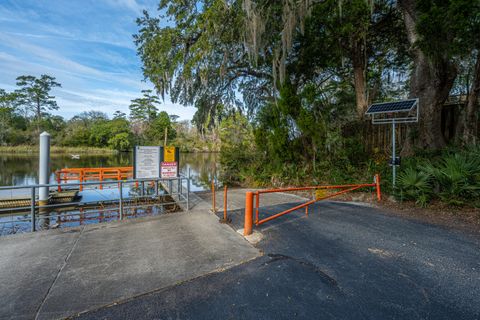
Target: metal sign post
405 111
394 158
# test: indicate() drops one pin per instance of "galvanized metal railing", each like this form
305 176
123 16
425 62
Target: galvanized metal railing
139 197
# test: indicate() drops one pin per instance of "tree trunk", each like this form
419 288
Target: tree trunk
39 115
359 78
467 125
430 82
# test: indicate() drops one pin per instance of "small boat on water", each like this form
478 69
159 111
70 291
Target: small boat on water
75 156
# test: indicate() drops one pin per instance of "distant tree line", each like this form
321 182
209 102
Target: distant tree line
27 111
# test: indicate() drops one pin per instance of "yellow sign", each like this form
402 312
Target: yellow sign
169 154
321 193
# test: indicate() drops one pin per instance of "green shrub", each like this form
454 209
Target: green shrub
415 185
456 177
237 149
453 177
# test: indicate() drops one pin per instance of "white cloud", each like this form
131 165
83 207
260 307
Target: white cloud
86 45
130 4
54 60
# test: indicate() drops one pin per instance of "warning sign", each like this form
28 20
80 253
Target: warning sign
321 193
169 154
169 170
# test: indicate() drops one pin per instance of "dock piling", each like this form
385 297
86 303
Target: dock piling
43 170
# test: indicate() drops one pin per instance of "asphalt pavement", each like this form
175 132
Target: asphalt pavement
343 261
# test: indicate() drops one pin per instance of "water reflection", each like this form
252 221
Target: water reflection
21 169
19 223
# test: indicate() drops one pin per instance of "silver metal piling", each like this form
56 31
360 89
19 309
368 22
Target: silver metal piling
43 168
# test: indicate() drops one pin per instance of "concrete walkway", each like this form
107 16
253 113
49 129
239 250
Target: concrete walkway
59 273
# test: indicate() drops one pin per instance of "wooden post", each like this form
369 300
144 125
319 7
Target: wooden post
214 202
225 203
166 133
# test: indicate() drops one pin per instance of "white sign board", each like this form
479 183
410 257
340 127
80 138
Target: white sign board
169 170
147 162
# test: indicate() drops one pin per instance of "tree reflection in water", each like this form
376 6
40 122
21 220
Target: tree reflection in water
21 169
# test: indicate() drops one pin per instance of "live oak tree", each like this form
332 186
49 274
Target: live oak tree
311 66
212 49
199 58
439 33
467 127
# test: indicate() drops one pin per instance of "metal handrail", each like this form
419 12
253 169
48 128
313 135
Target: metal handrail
90 183
120 201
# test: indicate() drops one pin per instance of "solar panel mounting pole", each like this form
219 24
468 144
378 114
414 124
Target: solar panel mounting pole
394 112
394 162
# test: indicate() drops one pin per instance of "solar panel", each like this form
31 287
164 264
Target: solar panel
394 106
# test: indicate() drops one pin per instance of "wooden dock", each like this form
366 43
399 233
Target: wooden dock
55 198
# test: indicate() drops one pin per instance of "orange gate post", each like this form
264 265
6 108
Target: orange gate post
257 206
225 203
248 214
214 202
377 186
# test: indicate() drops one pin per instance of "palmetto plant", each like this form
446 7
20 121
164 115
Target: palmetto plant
457 177
415 185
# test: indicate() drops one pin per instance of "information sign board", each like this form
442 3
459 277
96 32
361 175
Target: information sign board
146 162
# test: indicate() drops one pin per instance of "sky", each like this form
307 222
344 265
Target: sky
86 45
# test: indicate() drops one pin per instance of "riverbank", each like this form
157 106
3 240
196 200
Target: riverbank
57 150
83 150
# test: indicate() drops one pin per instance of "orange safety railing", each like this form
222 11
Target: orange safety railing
92 174
343 189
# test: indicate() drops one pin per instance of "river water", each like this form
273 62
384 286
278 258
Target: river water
22 169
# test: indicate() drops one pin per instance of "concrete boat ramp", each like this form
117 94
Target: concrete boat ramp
58 273
343 261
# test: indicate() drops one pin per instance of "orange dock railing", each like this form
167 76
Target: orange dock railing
92 174
341 190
